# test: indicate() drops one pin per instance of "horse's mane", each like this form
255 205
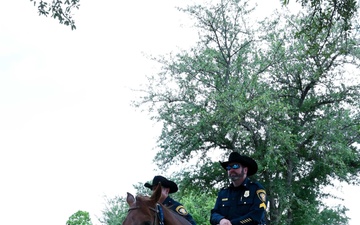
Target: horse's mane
141 200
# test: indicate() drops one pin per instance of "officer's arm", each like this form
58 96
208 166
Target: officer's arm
215 216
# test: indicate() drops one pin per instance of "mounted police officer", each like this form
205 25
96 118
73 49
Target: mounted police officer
244 201
168 187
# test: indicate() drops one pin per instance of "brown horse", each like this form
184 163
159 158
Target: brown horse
144 210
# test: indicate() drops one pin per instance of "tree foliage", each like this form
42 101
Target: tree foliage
115 211
199 204
79 218
59 10
279 91
341 10
319 118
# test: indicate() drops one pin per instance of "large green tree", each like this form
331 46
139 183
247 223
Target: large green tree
280 92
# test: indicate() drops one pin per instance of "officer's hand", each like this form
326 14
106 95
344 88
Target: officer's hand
225 222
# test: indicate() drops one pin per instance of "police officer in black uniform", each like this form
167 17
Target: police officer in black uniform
244 201
168 187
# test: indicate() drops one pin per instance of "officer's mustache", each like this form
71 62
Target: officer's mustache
234 177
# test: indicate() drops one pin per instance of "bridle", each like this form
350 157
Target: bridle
159 214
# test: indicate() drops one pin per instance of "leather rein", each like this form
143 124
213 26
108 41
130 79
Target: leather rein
159 214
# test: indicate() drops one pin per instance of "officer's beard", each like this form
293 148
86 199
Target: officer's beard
237 176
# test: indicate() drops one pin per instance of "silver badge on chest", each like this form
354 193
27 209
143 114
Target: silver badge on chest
246 193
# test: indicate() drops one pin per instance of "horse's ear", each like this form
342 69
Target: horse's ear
130 199
157 193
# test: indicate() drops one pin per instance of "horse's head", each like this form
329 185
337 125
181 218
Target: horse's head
142 209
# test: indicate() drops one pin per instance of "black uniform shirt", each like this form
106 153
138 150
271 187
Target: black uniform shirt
241 205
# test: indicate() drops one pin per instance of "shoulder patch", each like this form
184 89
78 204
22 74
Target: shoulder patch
181 210
261 193
262 205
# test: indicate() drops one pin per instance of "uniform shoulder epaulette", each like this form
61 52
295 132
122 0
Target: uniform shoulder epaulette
257 184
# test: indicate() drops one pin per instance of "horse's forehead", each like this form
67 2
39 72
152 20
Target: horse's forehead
141 213
142 198
143 203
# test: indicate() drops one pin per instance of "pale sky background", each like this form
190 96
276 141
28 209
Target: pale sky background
68 135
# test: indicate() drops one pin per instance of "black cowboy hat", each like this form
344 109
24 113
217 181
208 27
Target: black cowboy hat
243 160
164 182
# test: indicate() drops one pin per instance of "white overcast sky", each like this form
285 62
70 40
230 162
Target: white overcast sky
67 133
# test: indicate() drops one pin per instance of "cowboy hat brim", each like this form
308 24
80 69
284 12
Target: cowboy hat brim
164 182
243 160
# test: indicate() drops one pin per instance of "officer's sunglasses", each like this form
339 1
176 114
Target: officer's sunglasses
234 166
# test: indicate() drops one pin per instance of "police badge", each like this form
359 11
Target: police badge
247 193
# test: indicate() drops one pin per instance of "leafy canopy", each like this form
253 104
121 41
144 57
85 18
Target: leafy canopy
278 91
79 218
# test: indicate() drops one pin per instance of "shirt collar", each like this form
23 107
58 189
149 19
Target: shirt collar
244 184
